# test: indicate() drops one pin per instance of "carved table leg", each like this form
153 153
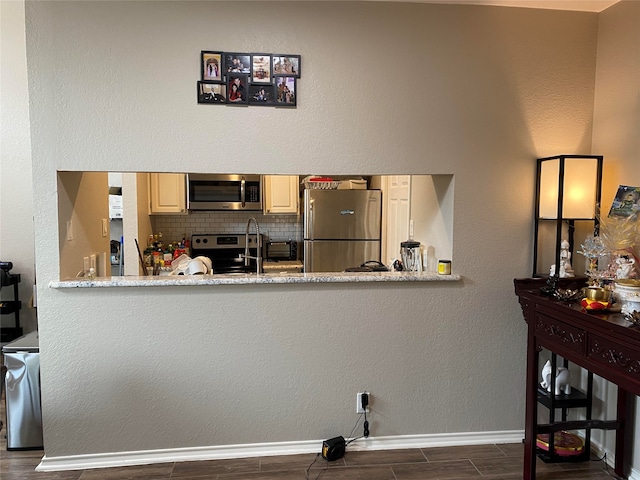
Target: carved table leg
531 418
624 441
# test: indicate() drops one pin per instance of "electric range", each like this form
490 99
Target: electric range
226 251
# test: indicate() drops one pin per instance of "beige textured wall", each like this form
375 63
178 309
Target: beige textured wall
617 103
16 194
616 123
83 200
477 92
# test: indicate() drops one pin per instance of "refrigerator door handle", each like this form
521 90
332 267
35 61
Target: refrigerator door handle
308 257
309 232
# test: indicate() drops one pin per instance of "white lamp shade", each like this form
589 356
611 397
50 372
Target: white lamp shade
579 188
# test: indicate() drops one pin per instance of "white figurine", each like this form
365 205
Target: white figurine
565 262
626 266
562 379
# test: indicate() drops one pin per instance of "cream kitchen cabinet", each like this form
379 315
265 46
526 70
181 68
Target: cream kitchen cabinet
167 193
281 194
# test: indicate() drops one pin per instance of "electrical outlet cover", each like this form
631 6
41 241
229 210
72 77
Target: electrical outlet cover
359 408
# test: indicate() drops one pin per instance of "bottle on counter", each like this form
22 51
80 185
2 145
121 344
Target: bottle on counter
167 255
157 259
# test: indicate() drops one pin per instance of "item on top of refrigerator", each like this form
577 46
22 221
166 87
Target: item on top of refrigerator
313 182
353 184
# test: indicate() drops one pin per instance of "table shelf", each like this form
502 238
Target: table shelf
576 399
11 307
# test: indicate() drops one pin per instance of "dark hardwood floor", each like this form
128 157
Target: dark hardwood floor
499 462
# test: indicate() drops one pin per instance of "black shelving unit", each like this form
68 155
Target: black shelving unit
10 307
564 402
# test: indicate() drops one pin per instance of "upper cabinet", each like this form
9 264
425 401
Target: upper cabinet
281 194
167 193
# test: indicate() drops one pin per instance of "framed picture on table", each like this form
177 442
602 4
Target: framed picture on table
211 66
286 65
626 204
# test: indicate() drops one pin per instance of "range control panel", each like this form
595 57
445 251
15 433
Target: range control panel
214 241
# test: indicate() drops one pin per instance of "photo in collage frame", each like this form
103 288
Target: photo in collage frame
260 79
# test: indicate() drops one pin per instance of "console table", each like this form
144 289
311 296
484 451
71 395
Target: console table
603 343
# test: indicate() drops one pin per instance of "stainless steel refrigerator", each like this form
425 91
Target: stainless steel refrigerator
341 229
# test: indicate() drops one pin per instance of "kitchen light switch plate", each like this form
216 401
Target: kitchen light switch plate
105 229
101 269
69 230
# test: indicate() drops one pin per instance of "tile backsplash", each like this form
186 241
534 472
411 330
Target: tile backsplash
274 227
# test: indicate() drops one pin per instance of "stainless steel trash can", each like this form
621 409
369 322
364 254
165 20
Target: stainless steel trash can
22 393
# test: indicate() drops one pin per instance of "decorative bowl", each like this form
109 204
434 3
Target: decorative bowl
593 305
628 294
599 294
567 295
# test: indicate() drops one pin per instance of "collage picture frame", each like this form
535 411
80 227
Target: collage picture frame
286 91
258 79
212 92
288 65
237 88
211 66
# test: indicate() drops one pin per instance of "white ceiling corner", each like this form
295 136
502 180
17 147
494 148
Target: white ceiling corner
576 5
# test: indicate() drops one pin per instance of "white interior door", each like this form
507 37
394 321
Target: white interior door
398 213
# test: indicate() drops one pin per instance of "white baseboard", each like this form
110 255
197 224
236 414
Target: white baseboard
123 459
599 450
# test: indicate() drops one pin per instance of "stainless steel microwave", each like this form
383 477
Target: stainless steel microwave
224 192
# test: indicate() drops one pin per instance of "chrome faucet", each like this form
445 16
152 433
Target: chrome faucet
258 257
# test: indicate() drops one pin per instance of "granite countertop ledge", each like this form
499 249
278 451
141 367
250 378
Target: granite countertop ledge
275 278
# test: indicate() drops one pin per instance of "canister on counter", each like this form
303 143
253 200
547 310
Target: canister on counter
444 267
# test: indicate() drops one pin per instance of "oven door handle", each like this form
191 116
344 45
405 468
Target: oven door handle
243 192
